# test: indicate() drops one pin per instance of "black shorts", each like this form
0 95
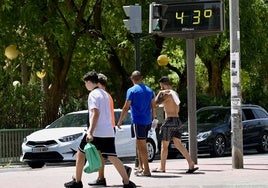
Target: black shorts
139 131
105 145
171 128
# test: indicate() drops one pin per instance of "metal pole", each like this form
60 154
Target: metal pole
191 97
236 111
137 67
137 51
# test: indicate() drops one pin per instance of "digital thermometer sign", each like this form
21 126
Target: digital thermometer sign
196 18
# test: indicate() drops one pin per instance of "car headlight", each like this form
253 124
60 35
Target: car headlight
203 136
25 140
70 137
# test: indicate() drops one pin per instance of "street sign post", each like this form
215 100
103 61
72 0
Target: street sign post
188 19
236 93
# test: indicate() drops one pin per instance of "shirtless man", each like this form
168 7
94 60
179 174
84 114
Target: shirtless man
171 128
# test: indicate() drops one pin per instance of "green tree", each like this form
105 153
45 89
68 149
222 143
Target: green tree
62 35
254 54
68 38
214 50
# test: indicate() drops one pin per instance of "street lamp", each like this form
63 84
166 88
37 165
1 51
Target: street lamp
41 74
162 60
11 52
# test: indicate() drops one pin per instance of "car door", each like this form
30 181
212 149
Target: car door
261 121
124 144
251 128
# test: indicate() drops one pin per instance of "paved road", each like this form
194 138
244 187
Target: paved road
214 172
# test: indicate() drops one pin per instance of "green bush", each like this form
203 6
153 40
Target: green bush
21 107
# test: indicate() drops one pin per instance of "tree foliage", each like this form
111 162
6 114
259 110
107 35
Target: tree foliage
67 38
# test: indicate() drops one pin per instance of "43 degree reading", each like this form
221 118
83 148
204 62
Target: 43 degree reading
197 15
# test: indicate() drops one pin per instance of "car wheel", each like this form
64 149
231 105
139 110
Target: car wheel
36 164
151 149
263 147
219 146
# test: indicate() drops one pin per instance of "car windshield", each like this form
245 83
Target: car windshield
81 120
213 116
71 120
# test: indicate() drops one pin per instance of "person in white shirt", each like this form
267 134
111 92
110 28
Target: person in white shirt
101 180
100 132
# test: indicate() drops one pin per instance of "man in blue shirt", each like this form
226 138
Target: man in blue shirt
140 101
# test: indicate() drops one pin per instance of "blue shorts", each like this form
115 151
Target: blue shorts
140 131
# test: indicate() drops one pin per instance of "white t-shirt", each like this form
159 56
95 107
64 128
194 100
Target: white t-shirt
175 97
99 99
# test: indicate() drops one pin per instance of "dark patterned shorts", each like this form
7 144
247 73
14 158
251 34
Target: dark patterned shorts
171 128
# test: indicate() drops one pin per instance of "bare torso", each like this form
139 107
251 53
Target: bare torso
170 107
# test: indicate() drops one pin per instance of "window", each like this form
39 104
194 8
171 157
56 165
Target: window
248 114
71 120
127 119
214 116
260 113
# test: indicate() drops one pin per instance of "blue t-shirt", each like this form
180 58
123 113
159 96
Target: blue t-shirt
140 96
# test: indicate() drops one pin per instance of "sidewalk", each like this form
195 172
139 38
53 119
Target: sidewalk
213 172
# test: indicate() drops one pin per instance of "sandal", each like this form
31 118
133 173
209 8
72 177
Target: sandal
138 171
143 175
190 171
158 171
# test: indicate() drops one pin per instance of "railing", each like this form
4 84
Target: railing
10 144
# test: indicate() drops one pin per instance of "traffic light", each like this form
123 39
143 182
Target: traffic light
133 21
157 22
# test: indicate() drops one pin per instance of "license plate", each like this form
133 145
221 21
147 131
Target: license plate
39 149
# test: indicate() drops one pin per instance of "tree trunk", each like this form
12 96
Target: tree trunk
55 91
24 73
215 71
60 70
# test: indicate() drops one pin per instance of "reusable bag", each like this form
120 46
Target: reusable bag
93 163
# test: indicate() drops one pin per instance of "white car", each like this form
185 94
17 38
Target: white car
59 141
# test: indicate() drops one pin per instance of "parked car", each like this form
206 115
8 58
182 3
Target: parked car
214 129
59 141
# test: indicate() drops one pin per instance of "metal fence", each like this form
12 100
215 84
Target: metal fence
10 144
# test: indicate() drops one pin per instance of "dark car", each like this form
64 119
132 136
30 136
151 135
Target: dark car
214 129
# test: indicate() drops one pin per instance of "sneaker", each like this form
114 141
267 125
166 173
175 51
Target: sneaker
128 169
73 184
98 182
130 185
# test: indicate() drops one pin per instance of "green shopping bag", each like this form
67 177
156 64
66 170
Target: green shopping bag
93 163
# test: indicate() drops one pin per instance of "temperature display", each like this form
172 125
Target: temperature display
194 17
